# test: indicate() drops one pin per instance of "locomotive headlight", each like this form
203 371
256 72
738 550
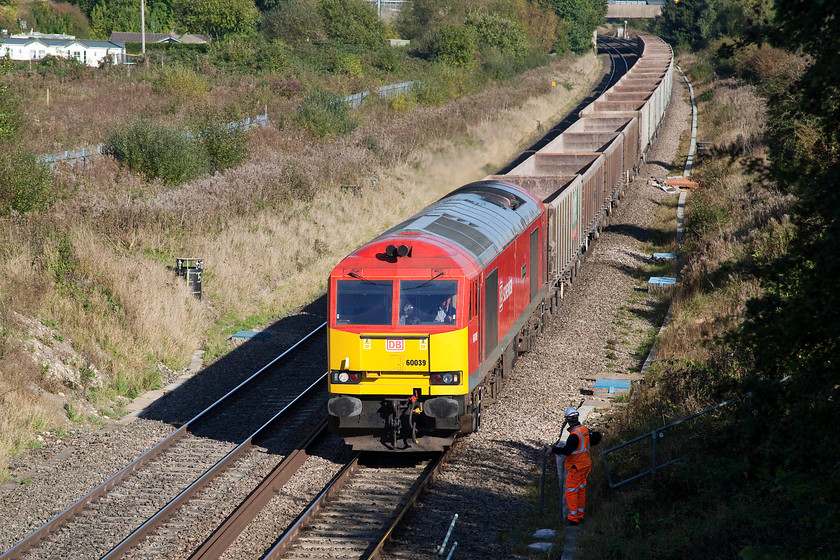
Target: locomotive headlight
342 377
445 378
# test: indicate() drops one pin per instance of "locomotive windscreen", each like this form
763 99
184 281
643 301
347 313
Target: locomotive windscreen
363 302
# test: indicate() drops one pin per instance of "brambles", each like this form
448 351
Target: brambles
326 114
158 151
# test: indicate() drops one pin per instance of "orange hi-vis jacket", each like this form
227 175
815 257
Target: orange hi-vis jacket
580 456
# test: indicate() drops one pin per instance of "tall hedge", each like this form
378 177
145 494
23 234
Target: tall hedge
354 22
499 33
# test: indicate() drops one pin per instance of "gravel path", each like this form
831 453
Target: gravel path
485 482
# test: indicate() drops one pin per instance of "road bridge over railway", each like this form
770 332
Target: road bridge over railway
634 9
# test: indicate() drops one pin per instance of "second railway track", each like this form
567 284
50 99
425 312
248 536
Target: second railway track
100 521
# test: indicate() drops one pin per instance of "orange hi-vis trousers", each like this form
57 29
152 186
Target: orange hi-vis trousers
576 491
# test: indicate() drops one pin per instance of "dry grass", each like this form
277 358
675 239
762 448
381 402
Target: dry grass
67 112
98 267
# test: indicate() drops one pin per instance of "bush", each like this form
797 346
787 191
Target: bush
326 114
158 152
224 145
180 81
581 18
451 43
65 68
217 17
354 22
501 34
10 120
295 21
25 182
349 64
496 65
245 53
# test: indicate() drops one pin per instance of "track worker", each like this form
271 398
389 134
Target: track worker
577 463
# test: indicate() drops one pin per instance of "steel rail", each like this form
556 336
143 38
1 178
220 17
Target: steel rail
433 471
226 534
64 517
333 487
169 509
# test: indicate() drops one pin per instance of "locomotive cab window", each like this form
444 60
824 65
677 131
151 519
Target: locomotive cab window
363 302
428 302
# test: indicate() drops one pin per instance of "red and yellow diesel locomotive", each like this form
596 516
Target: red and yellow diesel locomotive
426 319
417 312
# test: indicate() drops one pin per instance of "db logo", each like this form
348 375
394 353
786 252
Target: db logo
394 345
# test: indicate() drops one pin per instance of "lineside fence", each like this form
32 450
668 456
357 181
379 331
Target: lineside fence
667 444
384 92
82 155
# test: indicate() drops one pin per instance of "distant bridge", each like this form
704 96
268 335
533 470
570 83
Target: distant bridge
630 9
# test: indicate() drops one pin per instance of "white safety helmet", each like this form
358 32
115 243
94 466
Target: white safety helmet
571 413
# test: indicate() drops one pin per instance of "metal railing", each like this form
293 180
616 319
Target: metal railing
393 90
658 433
354 101
654 436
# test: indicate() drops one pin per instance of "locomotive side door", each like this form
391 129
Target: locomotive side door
491 312
535 263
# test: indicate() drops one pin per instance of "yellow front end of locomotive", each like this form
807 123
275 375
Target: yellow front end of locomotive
398 364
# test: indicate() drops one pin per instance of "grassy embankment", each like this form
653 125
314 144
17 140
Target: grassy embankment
97 269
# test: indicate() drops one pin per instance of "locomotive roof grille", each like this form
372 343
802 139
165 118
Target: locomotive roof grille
480 217
469 237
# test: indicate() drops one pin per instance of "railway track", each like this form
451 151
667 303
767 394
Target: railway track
227 438
358 510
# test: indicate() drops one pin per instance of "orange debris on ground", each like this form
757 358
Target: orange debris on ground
682 182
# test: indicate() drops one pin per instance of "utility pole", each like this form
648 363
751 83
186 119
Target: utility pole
143 26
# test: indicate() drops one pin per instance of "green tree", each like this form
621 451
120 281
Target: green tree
499 33
582 17
354 22
794 328
60 18
216 18
114 15
453 43
418 17
695 23
293 22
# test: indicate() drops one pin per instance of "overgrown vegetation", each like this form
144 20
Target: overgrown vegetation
756 312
